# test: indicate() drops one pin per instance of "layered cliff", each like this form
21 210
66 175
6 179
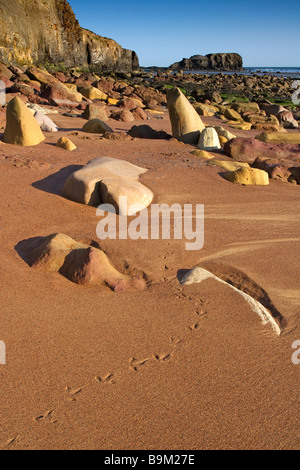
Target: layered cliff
47 31
221 61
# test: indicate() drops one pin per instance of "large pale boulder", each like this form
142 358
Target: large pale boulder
279 137
248 176
138 195
21 126
80 263
186 122
209 140
84 185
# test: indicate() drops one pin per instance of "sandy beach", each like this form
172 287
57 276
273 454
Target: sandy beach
169 367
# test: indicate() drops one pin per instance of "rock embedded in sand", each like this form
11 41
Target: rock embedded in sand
80 263
21 126
186 122
66 144
209 139
198 275
95 126
247 176
84 185
138 195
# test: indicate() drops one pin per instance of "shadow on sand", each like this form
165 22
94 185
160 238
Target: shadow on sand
54 183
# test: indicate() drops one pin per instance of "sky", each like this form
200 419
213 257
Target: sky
265 33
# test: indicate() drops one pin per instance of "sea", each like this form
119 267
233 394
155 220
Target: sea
292 72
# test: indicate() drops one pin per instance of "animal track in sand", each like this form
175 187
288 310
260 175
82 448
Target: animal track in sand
51 416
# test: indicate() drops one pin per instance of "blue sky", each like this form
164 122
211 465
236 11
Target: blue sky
265 33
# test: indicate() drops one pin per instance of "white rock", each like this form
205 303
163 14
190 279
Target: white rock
209 139
197 275
46 124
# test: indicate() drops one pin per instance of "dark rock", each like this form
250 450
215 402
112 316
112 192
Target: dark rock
146 132
221 61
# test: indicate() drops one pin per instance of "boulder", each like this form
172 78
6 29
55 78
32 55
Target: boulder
205 110
84 185
127 103
247 150
21 126
277 170
146 132
80 263
124 115
92 111
232 115
246 108
138 195
186 122
139 114
287 119
242 126
95 126
279 137
66 144
247 176
93 93
209 139
272 109
45 123
224 133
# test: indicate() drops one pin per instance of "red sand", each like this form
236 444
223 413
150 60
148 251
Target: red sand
208 374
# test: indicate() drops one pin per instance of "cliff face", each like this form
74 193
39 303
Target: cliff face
222 61
46 31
